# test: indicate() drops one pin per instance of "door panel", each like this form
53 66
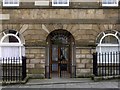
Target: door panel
54 53
54 61
54 67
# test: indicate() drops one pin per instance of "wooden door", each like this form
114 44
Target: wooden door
59 56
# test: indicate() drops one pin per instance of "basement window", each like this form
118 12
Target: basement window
60 2
109 2
10 2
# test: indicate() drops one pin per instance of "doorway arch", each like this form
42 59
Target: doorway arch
60 47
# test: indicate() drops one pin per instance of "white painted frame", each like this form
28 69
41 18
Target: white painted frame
58 4
110 34
10 4
108 4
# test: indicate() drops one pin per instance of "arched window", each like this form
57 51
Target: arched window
108 46
11 45
108 41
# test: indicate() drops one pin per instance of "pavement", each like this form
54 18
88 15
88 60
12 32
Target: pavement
63 83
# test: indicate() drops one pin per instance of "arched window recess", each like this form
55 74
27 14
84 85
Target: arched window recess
108 41
11 45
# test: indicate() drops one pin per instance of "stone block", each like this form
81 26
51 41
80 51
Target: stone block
80 56
77 61
99 11
82 14
99 14
42 55
74 13
37 56
90 11
89 56
27 61
42 50
35 36
64 26
85 61
34 50
36 76
30 66
89 66
85 51
80 66
31 56
26 36
42 66
85 70
36 71
42 61
34 61
85 26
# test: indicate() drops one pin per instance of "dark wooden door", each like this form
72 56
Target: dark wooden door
60 55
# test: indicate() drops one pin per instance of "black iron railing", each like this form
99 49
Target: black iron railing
13 69
106 64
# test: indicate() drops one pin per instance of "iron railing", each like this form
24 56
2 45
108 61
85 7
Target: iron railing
106 64
13 69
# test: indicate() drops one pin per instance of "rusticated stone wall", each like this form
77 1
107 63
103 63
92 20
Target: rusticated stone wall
36 61
84 61
84 24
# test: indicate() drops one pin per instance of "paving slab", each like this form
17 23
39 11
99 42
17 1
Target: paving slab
58 81
64 84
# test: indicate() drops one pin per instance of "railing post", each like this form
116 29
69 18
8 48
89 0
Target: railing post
6 76
108 65
105 69
119 62
3 69
23 67
111 73
95 64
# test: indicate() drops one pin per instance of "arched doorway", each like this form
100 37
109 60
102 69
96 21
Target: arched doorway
60 54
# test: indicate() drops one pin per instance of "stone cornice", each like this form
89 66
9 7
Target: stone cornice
62 21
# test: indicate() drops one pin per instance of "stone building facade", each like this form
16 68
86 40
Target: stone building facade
84 20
